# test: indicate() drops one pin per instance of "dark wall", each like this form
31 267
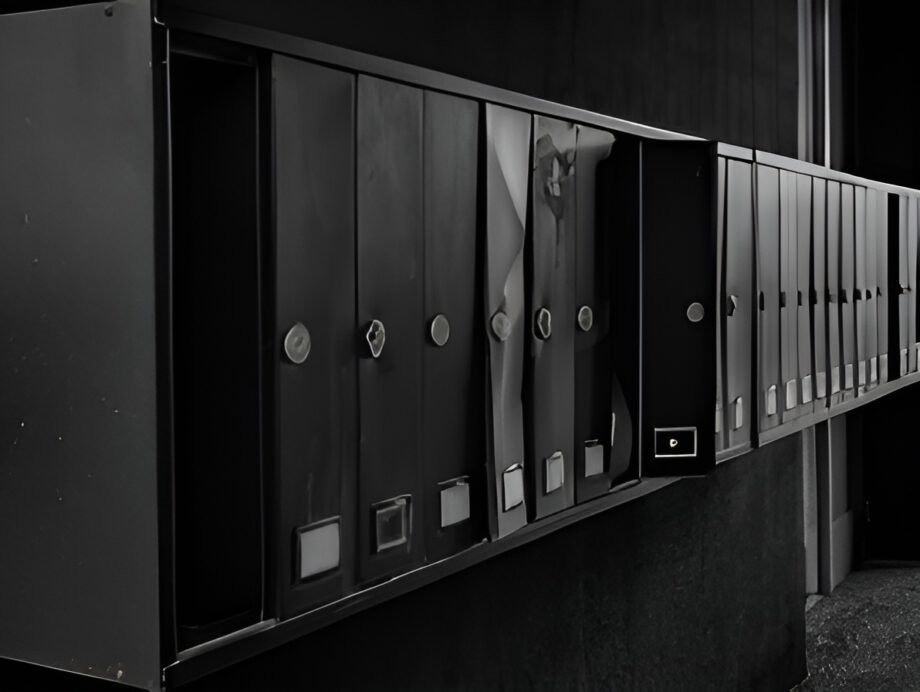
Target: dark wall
882 451
880 95
720 69
699 586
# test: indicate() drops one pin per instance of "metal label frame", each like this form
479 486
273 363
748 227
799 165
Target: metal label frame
680 429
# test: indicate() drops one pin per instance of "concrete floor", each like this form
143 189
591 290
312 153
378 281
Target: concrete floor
866 635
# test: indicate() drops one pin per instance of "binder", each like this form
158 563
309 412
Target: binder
847 292
769 287
802 296
860 292
724 305
885 294
603 424
872 290
788 399
550 383
737 302
818 289
678 232
618 208
390 318
911 260
507 178
834 292
314 115
903 287
453 429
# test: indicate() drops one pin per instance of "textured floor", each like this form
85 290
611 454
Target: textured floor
866 635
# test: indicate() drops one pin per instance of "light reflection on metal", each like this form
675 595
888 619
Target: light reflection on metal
551 257
376 336
439 330
507 172
297 343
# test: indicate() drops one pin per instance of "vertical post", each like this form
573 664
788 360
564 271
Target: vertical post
827 84
835 519
806 141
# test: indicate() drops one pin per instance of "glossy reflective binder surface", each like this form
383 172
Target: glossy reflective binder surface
871 296
313 111
721 305
768 275
599 400
884 289
835 374
507 171
618 212
550 386
788 247
847 292
912 284
738 302
860 297
819 287
903 288
802 297
453 430
390 289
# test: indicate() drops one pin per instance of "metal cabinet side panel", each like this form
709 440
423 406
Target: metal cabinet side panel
79 585
768 278
739 289
453 432
507 176
390 289
550 384
314 184
819 286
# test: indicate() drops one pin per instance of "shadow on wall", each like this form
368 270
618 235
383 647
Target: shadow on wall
721 70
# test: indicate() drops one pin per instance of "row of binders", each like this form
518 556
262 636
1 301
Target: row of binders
445 326
478 317
818 273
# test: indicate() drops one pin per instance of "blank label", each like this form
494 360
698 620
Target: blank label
319 549
594 459
455 503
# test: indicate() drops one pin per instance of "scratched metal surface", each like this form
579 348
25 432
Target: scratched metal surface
78 573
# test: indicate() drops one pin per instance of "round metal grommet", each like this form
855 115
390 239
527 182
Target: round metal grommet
695 312
376 336
585 318
501 326
297 343
543 324
439 330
